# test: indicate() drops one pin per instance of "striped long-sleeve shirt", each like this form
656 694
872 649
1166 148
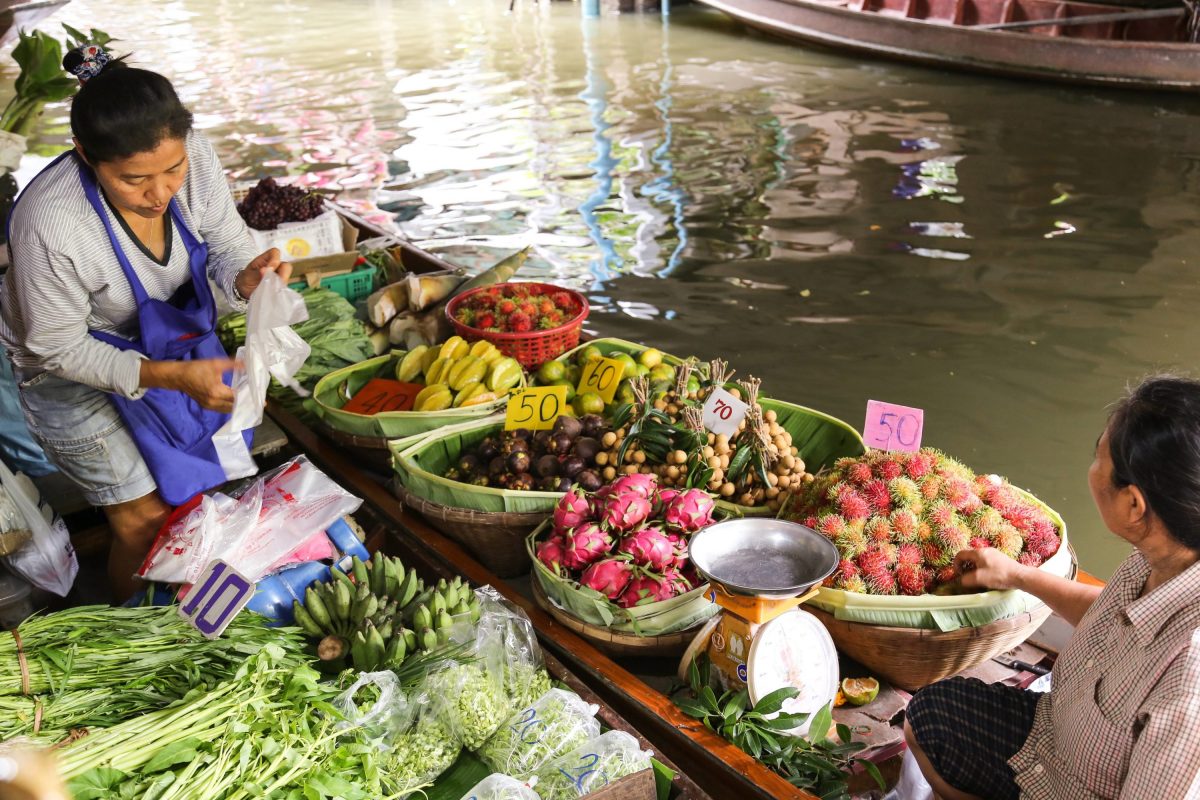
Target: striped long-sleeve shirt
65 280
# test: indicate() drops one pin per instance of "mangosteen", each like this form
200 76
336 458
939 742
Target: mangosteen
522 433
571 426
521 483
489 448
593 425
480 480
497 467
453 474
586 448
589 480
572 466
560 443
547 466
468 463
564 484
514 445
541 441
550 483
518 462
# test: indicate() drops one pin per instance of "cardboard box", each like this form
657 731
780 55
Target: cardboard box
638 786
312 270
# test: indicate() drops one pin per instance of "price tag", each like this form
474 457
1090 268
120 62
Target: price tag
893 427
382 394
535 408
216 598
602 376
723 412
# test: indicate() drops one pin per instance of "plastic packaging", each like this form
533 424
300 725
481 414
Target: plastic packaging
556 723
14 530
15 604
272 517
375 705
596 763
500 787
48 559
421 753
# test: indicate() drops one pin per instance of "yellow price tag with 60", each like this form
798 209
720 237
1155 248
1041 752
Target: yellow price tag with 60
535 408
602 376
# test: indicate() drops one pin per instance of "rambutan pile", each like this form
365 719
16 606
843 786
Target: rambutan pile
898 520
517 308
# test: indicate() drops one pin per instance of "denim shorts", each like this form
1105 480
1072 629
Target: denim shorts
82 434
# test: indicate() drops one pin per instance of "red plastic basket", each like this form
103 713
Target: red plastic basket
534 348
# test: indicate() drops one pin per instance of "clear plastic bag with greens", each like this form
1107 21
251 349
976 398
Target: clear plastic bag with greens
421 753
500 787
596 763
556 723
376 707
525 678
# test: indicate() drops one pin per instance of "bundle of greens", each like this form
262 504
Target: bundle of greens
553 725
595 763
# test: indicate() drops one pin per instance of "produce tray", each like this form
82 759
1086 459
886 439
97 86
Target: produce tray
705 758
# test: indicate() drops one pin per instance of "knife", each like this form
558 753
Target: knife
1013 663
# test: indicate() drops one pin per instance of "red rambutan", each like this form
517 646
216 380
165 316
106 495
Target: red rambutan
904 525
855 584
830 525
980 542
911 579
485 319
877 494
924 532
919 464
878 530
859 473
904 492
519 323
909 554
880 582
852 541
1042 545
873 560
1008 540
945 575
506 306
931 487
809 522
988 521
942 516
1030 559
852 505
889 469
936 555
563 301
846 569
953 539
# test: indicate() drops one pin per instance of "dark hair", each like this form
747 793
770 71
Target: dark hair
1154 441
124 110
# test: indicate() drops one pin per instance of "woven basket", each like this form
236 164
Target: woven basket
372 450
614 643
496 539
534 348
914 657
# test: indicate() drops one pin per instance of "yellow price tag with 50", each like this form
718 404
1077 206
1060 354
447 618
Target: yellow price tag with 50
535 408
602 376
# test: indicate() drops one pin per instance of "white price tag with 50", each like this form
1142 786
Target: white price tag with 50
723 412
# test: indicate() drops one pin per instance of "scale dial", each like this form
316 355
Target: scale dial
794 649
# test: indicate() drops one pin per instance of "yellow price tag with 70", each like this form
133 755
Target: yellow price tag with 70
535 408
602 376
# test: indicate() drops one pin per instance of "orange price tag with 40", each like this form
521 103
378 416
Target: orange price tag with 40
601 376
535 408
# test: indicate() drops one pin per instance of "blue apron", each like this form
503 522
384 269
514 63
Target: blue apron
172 431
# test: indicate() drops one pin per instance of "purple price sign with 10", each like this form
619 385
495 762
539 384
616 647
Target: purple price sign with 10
601 376
535 408
216 598
893 427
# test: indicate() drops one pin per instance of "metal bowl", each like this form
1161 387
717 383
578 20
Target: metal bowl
763 557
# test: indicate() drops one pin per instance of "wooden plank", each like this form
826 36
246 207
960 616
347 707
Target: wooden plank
720 767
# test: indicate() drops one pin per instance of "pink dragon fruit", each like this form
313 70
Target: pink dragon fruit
572 511
645 589
680 545
608 577
551 552
585 545
693 577
690 511
679 582
624 512
649 547
643 484
662 499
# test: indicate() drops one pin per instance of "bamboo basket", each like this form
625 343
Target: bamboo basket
616 643
373 450
914 657
497 539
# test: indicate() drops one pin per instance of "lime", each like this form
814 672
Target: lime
589 403
589 353
624 394
642 369
574 373
662 372
650 357
627 360
551 372
570 387
860 691
693 384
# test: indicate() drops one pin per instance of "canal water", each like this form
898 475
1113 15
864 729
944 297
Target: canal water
1004 255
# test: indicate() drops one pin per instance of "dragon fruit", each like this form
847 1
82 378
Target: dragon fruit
585 545
680 546
644 589
551 552
623 512
609 577
662 499
639 483
572 510
690 511
679 582
649 547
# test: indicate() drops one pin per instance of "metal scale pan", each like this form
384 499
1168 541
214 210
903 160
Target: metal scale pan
763 557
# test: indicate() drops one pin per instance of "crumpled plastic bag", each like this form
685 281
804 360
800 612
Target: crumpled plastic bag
556 723
382 718
592 765
47 560
500 787
272 350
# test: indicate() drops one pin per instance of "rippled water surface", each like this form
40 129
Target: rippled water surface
1004 255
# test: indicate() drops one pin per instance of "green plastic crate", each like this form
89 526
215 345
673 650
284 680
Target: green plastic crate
353 285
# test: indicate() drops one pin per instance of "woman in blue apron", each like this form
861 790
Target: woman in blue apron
107 310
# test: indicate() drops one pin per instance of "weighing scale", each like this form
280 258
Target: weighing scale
759 571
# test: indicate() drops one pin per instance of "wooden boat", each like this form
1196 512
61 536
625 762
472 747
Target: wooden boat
1058 40
16 15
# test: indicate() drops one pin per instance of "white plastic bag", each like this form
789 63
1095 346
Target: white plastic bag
48 559
500 787
594 764
556 723
274 515
272 350
381 712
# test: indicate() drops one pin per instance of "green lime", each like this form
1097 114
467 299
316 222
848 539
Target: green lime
551 372
860 691
693 384
650 357
642 369
627 360
570 387
589 353
574 373
662 372
624 394
589 403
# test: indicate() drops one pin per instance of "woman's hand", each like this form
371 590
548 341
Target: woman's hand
203 380
988 569
248 279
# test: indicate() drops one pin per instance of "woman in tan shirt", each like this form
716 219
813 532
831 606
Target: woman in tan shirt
1123 717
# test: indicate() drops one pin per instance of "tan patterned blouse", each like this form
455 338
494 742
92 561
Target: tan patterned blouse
1123 719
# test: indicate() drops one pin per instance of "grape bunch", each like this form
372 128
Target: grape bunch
269 204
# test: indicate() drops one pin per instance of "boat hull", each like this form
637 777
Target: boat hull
1121 64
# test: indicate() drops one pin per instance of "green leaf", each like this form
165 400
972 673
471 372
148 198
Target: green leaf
710 699
694 675
693 708
873 771
663 778
180 752
844 733
736 705
774 701
98 782
818 729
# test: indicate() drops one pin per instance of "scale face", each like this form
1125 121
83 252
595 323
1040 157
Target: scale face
794 649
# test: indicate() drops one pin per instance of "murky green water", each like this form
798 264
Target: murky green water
1004 255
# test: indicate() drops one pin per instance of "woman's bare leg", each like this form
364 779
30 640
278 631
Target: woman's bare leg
134 525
